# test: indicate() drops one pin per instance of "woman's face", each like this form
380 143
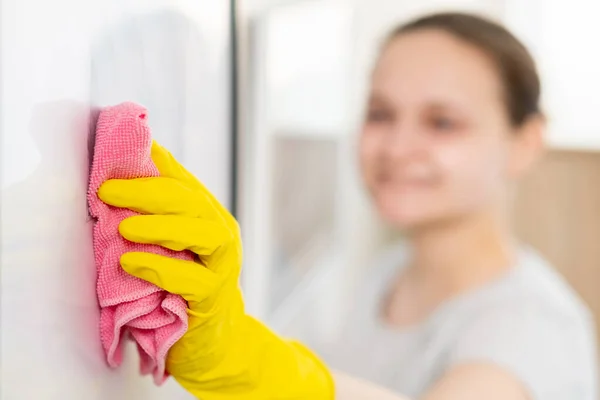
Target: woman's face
437 141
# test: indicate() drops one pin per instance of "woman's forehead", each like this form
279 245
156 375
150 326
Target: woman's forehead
434 64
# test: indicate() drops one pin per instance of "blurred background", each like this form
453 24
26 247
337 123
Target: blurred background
308 228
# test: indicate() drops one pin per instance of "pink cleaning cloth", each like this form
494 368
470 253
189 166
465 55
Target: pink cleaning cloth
130 307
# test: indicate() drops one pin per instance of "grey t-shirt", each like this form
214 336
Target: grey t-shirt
529 322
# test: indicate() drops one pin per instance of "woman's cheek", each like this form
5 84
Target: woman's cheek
474 174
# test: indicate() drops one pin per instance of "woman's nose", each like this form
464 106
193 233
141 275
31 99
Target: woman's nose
404 140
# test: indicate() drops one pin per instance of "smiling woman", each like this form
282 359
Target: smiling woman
460 309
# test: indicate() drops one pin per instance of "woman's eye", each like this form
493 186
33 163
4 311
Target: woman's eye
442 123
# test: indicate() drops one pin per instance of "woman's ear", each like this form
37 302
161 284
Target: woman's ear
528 145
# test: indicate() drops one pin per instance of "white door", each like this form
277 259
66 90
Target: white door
60 61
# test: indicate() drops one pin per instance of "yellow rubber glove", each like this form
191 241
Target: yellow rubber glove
225 353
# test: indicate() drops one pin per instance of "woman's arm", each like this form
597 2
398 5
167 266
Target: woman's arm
468 382
349 388
477 381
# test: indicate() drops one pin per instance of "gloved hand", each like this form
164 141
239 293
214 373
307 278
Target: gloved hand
225 353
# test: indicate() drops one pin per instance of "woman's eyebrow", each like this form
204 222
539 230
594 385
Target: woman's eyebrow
376 98
444 105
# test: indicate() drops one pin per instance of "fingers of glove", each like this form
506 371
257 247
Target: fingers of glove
168 166
177 233
157 196
190 280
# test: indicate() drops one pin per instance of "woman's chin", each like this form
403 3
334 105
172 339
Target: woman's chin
405 216
402 218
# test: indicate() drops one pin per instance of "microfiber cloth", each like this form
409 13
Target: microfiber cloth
129 306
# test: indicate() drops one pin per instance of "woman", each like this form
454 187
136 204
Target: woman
453 121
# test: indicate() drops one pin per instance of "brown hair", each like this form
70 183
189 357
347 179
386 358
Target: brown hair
513 61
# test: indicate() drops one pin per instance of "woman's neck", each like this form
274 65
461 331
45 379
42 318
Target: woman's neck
447 260
463 253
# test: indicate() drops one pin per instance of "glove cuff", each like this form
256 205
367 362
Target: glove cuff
262 366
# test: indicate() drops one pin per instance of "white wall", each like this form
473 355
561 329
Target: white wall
59 60
563 36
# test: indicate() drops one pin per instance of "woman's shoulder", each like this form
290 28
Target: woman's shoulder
537 284
534 297
534 325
